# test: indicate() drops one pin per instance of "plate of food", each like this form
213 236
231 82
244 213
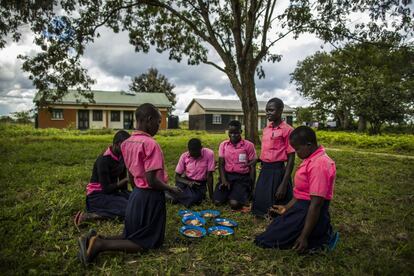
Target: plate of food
225 222
191 231
184 213
209 214
220 231
193 220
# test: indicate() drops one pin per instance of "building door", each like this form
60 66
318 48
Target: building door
83 119
128 120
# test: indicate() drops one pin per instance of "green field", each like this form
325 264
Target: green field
43 174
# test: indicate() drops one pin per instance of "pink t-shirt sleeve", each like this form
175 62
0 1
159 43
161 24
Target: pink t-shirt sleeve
251 152
319 179
153 157
181 165
289 148
211 166
221 150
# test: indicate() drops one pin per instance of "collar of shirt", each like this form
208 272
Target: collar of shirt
238 145
139 132
317 153
110 153
198 158
271 125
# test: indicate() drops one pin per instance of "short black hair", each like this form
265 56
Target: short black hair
120 136
144 111
194 144
278 102
303 135
235 123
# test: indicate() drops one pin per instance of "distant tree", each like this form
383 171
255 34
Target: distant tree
235 37
154 82
6 119
23 117
304 114
374 83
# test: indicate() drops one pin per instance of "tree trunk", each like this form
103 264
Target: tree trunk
362 124
250 108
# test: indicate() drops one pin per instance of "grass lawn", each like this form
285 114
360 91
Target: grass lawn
43 180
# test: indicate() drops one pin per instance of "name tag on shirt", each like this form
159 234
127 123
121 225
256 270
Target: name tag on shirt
242 158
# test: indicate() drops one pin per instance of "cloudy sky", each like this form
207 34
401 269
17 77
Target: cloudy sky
112 62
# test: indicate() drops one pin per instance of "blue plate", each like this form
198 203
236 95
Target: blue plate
225 222
209 214
212 229
186 220
186 231
184 213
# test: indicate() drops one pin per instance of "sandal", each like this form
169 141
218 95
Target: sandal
76 220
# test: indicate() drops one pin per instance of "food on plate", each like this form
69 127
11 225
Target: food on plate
225 223
220 232
194 222
192 233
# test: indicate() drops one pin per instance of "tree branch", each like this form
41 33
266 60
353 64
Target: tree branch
216 66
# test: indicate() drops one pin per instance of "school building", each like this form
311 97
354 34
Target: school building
111 109
215 114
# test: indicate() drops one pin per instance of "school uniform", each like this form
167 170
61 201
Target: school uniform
315 176
237 172
274 154
195 169
102 195
145 216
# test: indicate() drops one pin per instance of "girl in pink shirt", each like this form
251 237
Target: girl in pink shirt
237 159
145 215
304 223
107 193
194 174
274 182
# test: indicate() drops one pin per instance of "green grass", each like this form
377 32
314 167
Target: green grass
42 184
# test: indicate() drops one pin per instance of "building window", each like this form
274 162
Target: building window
216 119
97 115
57 114
115 116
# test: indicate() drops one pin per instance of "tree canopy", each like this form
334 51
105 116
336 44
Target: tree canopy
235 37
376 84
152 81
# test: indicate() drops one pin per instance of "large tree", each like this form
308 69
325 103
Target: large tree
376 84
235 36
152 82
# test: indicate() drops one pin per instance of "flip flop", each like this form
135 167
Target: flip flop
83 247
333 242
76 220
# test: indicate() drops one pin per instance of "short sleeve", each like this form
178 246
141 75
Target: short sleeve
180 169
251 152
319 180
289 148
154 158
221 150
211 165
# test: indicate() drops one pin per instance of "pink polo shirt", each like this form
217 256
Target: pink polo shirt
315 176
143 154
275 142
196 168
237 156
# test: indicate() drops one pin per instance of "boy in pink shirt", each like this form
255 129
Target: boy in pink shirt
305 221
274 182
194 172
107 194
237 159
145 216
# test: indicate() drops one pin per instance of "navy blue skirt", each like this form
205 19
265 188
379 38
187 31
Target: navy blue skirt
145 218
286 229
270 177
191 195
240 187
108 205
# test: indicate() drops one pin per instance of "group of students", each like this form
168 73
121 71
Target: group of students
300 214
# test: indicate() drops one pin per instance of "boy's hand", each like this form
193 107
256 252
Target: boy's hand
225 184
281 191
175 190
279 209
301 244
